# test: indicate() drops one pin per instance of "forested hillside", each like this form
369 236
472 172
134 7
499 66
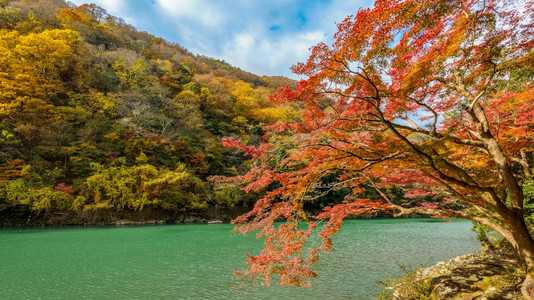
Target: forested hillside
95 115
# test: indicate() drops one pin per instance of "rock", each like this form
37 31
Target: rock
490 291
215 222
190 219
438 280
460 280
474 277
468 298
446 291
463 278
123 222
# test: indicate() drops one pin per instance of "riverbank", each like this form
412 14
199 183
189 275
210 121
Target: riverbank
484 275
20 216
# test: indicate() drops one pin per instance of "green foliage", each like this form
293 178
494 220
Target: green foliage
10 16
493 240
134 76
192 86
27 192
410 286
9 144
141 159
138 186
112 118
487 237
227 197
528 191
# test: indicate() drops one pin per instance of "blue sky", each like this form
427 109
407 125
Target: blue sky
265 37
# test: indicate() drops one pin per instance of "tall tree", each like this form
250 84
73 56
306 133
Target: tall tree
432 96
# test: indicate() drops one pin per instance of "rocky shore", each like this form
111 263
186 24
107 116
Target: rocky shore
485 275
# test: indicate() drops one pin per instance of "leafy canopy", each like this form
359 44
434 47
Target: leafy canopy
433 97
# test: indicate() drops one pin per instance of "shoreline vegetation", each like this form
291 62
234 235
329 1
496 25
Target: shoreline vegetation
19 216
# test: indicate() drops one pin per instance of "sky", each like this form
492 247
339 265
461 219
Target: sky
264 37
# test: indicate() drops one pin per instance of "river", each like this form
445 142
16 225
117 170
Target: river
196 261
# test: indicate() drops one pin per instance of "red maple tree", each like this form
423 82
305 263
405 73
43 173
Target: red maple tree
431 96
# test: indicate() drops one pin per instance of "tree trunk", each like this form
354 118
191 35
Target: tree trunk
525 250
524 164
527 286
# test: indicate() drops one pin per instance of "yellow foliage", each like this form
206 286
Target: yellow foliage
164 65
68 16
245 94
254 103
271 115
43 198
141 185
30 66
134 76
75 114
141 159
97 101
113 136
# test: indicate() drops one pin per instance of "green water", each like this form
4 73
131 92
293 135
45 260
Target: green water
196 261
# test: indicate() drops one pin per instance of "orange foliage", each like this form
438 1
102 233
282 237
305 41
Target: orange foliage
417 94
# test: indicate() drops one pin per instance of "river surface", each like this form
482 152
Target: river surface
196 261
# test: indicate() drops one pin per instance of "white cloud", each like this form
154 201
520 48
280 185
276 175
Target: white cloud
266 56
205 12
265 37
115 5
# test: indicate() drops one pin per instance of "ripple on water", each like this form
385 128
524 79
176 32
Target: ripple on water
196 261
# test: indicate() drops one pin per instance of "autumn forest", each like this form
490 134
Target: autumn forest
96 115
418 108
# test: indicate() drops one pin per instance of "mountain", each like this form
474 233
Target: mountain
96 116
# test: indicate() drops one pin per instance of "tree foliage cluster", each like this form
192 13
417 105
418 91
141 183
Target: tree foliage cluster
428 100
97 115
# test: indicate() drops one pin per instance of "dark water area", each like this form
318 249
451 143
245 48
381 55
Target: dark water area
196 261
